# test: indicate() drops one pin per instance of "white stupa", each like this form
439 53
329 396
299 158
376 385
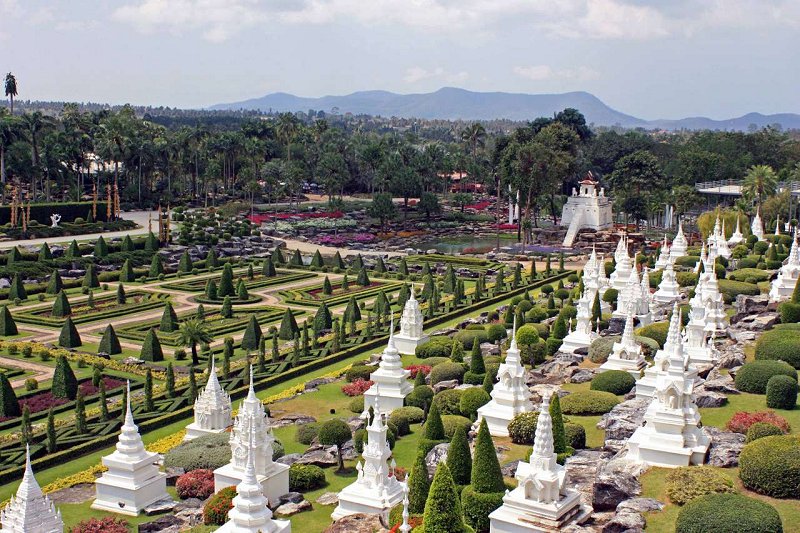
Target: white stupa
212 409
594 279
783 286
273 477
646 385
668 290
391 379
630 295
722 244
582 336
663 255
29 510
133 480
715 317
621 276
510 395
627 353
411 328
622 248
778 226
703 259
679 244
757 226
250 512
671 435
736 237
543 500
645 298
376 489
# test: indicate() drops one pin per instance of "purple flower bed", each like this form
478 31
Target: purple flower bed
45 400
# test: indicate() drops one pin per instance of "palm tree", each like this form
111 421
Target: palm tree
760 181
8 134
35 125
11 89
192 332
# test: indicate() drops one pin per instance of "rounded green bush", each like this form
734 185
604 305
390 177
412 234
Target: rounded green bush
467 337
306 433
779 344
575 435
749 275
420 397
589 402
657 332
687 483
471 400
447 372
771 466
753 377
207 452
448 401
399 423
496 332
686 279
414 415
600 348
453 422
356 405
438 346
303 478
782 392
522 428
433 361
614 381
731 289
760 430
728 513
790 312
359 372
536 314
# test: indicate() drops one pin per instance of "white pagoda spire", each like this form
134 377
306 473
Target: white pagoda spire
391 379
411 333
673 347
212 409
29 510
627 353
736 237
679 243
757 226
722 244
783 286
663 255
668 290
582 336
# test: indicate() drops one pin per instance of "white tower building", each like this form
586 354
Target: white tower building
411 328
391 379
783 286
29 510
212 409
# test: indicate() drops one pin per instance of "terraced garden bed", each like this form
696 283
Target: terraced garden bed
105 308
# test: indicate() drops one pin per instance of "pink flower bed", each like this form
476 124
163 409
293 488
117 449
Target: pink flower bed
356 388
45 400
480 206
414 369
506 226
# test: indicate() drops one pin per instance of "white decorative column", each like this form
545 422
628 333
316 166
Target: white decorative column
250 513
583 335
626 354
411 328
542 500
376 490
679 244
663 255
510 395
133 480
212 409
757 226
671 435
29 510
722 244
273 477
783 286
390 380
736 237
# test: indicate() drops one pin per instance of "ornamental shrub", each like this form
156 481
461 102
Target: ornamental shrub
304 478
203 453
575 435
467 337
90 280
760 430
241 291
687 483
306 433
446 372
69 337
487 488
109 343
418 485
151 347
731 289
9 405
782 392
459 459
437 346
356 388
781 344
725 513
471 400
420 397
741 421
54 283
7 324
614 381
215 511
65 384
522 428
359 372
226 282
657 332
252 335
288 328
195 484
771 466
443 511
448 401
17 289
323 320
185 265
414 415
227 308
451 423
268 269
477 507
335 432
753 377
107 524
749 275
589 402
559 435
169 320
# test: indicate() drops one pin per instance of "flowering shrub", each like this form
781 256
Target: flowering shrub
315 224
42 401
109 524
215 511
166 444
87 388
356 388
195 484
425 369
741 421
258 219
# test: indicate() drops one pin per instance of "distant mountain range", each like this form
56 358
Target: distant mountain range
453 104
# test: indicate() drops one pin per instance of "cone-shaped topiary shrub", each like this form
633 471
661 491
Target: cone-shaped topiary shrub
169 319
288 328
317 261
185 264
44 252
443 512
418 486
226 282
459 459
156 267
65 384
109 343
241 291
323 319
151 347
485 492
268 270
90 280
54 283
69 336
227 308
17 289
9 405
252 335
61 307
151 243
127 274
73 251
127 244
100 247
7 324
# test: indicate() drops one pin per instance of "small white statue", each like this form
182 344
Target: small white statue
55 218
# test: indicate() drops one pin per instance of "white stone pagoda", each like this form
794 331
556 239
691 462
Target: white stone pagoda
133 480
715 317
668 290
411 328
390 381
212 409
646 385
29 510
594 278
586 208
376 489
663 255
582 336
636 294
543 501
273 477
783 286
621 276
722 244
510 395
698 345
778 226
679 244
736 237
627 353
757 225
671 435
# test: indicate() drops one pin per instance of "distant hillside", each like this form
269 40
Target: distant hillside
453 104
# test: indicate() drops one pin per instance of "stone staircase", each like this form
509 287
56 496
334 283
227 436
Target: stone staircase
572 232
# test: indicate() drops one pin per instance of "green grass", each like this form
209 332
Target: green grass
719 416
73 513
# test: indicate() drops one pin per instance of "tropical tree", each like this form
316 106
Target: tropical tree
192 332
759 181
11 89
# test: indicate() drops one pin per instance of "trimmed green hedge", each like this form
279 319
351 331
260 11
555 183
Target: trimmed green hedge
688 483
780 343
616 382
589 402
731 289
771 466
782 392
657 332
304 478
753 377
728 513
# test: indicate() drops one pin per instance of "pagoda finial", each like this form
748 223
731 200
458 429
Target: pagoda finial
513 345
128 412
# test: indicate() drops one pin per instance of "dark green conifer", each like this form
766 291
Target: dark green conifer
69 336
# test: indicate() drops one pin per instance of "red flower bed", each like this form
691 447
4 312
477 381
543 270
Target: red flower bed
215 511
111 383
195 484
741 421
109 524
45 399
425 369
480 206
356 388
506 226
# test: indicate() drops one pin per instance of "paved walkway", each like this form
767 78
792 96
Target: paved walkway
41 372
140 217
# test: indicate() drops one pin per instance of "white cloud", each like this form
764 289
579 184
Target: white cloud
547 73
416 74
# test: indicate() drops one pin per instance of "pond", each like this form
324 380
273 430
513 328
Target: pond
464 244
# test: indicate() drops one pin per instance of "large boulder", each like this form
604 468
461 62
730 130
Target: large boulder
357 523
623 419
708 398
616 481
445 385
582 468
289 509
438 454
318 456
625 522
725 447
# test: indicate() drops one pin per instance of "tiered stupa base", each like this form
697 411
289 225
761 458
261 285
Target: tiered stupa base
273 485
355 499
193 431
408 345
521 516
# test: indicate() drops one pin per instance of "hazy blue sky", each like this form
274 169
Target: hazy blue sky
649 58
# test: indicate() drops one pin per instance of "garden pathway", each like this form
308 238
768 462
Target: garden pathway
41 372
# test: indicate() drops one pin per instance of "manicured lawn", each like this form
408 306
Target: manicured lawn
719 416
